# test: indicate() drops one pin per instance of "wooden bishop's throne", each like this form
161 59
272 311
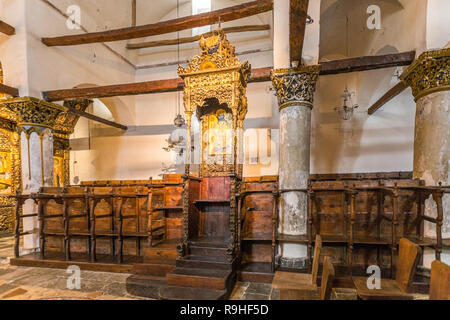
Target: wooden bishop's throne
215 87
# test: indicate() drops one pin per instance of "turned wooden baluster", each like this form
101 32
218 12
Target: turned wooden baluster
149 218
239 224
92 203
310 226
394 199
18 207
41 228
137 212
351 231
437 197
113 223
88 217
66 230
420 214
274 226
121 203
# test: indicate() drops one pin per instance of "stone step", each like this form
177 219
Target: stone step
199 278
145 286
185 293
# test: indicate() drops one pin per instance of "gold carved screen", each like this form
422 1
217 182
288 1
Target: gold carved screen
215 88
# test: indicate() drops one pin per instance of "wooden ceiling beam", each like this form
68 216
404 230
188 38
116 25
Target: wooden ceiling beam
7 29
297 21
95 118
367 63
160 43
258 75
388 96
228 14
9 90
148 87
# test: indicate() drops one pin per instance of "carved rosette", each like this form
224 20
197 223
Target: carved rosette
295 86
429 73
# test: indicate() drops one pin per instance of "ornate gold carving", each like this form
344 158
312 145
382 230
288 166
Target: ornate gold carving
33 112
216 74
295 86
429 73
66 120
217 53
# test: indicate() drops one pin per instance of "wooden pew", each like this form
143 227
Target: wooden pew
440 281
398 289
322 293
302 281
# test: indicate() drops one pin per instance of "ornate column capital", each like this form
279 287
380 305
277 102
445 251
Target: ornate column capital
33 114
429 73
295 86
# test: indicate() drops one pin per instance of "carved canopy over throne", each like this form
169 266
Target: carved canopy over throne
215 88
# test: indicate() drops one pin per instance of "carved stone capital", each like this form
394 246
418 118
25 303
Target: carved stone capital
31 112
429 73
295 86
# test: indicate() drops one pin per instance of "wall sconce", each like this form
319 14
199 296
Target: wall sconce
346 111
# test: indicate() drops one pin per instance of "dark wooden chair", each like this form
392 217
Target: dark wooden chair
440 281
303 281
322 293
398 289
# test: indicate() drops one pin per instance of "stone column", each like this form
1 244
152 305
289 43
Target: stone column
429 79
295 90
35 122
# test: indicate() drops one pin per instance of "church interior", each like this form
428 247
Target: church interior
225 149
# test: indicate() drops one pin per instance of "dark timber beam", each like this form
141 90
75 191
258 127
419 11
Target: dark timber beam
391 94
367 63
7 29
258 75
199 20
9 90
148 87
297 20
160 43
95 118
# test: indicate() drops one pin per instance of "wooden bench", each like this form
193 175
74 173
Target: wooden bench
302 281
322 293
440 281
398 289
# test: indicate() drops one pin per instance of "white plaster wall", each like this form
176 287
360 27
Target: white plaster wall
13 53
381 142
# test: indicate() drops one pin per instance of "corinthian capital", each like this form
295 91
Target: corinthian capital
295 86
429 73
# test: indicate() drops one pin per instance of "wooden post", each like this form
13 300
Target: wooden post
351 231
310 226
92 204
66 231
41 228
437 196
121 203
18 206
274 226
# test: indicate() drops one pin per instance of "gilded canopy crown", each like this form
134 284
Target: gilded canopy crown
216 53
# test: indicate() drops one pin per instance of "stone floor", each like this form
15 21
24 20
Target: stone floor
26 283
